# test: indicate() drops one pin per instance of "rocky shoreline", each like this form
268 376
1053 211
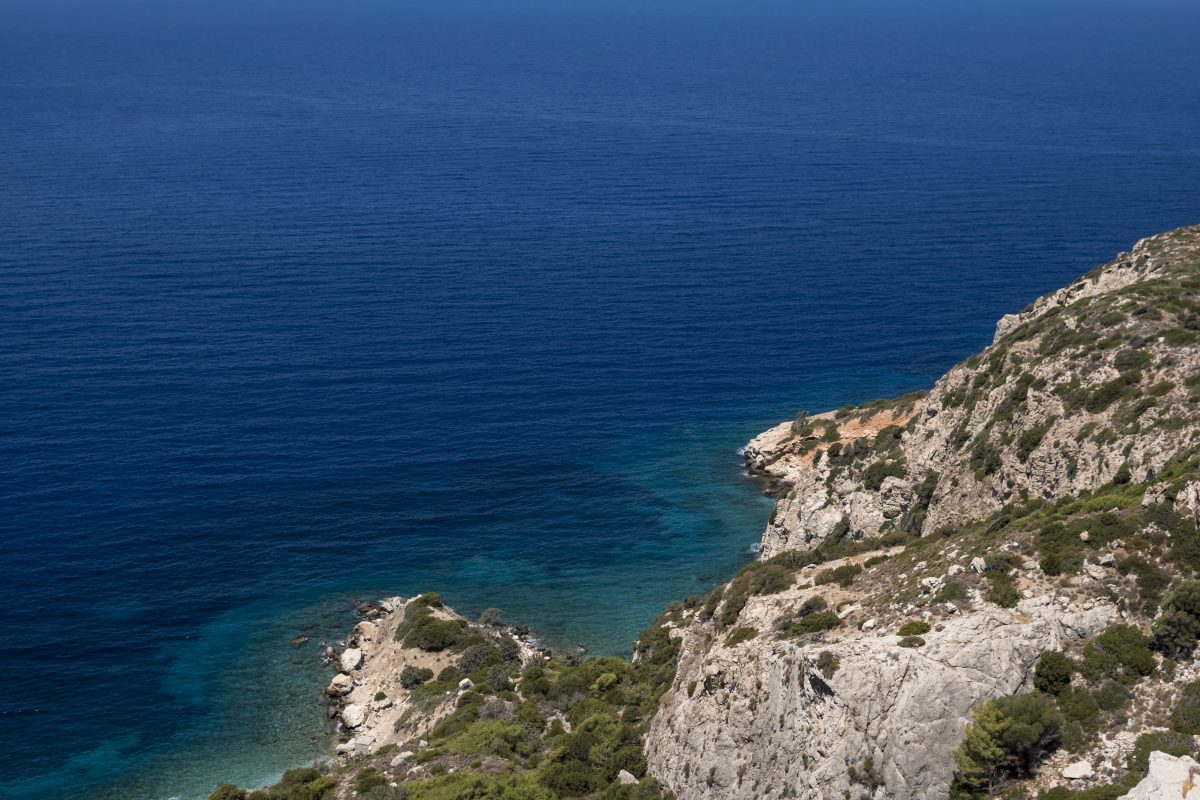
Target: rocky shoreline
368 700
1023 539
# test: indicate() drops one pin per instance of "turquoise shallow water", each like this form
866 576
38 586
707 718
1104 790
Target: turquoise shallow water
303 303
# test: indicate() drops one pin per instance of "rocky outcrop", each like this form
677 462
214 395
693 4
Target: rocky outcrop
1170 778
1088 384
367 696
762 720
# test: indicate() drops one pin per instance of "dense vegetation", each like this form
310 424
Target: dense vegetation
558 729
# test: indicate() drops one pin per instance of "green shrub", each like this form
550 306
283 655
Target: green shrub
874 475
828 663
1112 696
843 576
761 577
1178 627
412 676
739 635
1186 716
1053 672
422 629
912 641
812 605
1121 653
1007 737
367 779
813 623
914 628
951 592
1028 441
1169 742
1003 590
1078 705
479 786
227 791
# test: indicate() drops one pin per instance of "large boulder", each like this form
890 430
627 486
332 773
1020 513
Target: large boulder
351 659
1169 778
340 685
354 715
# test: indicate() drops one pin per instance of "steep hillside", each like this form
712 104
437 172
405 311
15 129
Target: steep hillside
926 552
989 589
1092 383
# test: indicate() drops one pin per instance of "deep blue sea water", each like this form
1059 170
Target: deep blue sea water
308 302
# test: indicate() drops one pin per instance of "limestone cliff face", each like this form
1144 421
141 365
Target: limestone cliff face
761 719
1091 385
1087 383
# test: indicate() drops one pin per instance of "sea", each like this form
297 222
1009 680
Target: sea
307 303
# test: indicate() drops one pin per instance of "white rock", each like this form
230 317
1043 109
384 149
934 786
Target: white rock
1083 537
1169 778
1106 559
870 625
340 685
953 609
847 611
466 684
364 742
1077 771
955 569
345 748
351 659
626 778
1094 571
930 585
365 631
354 715
978 565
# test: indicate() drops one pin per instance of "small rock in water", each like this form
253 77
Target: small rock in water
297 641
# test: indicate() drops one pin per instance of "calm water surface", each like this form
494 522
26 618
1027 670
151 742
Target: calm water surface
308 302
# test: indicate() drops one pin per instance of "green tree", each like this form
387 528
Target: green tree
1053 672
1178 628
227 791
1008 736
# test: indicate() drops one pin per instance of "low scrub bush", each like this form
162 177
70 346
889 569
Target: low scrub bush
412 676
739 635
1121 653
914 628
843 576
1053 672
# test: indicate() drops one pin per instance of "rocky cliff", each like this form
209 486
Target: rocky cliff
993 586
925 552
1087 384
